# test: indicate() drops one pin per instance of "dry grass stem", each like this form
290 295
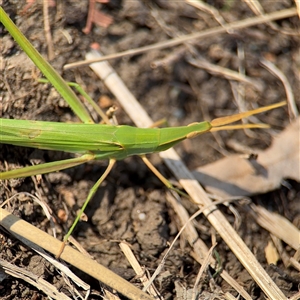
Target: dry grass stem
288 89
139 270
25 231
223 72
47 30
208 9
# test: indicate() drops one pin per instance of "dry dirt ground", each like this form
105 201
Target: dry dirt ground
177 91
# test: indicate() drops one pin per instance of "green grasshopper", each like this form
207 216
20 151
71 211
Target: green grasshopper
95 141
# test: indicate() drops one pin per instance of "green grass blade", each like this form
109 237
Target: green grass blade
56 80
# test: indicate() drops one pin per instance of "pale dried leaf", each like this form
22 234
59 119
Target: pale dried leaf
237 176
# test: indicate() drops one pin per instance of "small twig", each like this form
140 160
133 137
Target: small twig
47 29
224 72
169 59
201 270
138 270
208 9
288 89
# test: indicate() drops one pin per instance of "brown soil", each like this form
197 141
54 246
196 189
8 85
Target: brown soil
178 92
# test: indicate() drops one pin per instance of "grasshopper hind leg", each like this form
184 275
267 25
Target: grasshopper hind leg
163 179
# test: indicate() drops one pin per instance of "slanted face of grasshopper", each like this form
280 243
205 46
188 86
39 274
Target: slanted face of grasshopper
94 141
